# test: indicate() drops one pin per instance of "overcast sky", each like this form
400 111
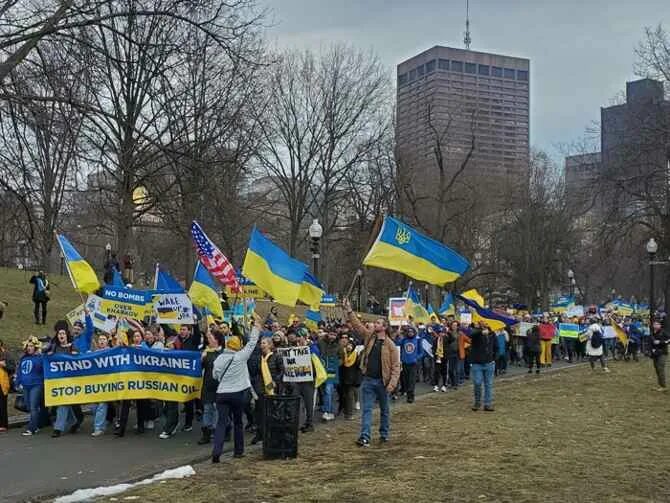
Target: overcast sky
581 51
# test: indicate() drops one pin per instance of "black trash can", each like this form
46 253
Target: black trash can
281 418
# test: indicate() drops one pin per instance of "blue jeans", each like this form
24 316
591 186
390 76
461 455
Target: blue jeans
371 390
64 418
328 391
99 411
483 373
209 415
460 371
33 397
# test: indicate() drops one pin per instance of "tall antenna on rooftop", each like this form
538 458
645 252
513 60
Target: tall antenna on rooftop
467 40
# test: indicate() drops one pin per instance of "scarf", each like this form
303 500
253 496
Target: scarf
439 352
268 387
350 359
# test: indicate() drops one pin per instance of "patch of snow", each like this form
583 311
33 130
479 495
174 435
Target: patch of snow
88 494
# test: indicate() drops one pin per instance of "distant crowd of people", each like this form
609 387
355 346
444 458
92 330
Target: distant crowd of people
365 364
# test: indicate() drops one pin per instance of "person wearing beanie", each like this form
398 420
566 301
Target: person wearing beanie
411 352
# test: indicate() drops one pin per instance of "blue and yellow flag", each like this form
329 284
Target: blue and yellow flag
415 309
433 315
81 273
203 292
401 248
164 281
273 270
475 296
311 291
447 307
493 320
312 319
562 304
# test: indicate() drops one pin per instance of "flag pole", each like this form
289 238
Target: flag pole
67 268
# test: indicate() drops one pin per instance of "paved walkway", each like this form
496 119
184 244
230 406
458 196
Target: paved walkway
39 466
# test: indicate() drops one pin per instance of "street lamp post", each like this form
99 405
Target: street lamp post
652 248
315 233
108 251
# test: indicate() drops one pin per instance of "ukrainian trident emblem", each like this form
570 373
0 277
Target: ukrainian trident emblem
402 235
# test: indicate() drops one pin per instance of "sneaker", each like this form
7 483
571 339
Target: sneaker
357 406
148 425
363 442
307 428
489 408
27 433
661 389
187 428
324 416
55 434
443 389
476 407
383 440
331 417
435 388
98 433
606 370
238 456
164 435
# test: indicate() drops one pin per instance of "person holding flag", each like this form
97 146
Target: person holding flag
380 365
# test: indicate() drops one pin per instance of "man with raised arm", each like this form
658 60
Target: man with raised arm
380 365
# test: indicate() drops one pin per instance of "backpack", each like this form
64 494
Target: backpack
596 340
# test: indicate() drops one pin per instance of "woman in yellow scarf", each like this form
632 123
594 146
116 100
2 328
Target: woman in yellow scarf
4 387
271 376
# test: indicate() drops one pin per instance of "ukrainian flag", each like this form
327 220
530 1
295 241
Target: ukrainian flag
401 248
475 296
164 282
203 292
81 273
620 333
312 319
273 270
311 291
492 319
415 309
433 315
447 306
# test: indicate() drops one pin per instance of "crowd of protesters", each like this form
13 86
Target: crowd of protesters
365 364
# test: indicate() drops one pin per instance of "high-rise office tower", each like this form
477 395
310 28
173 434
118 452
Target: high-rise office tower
451 100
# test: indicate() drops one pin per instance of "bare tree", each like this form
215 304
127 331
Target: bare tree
40 148
26 23
534 240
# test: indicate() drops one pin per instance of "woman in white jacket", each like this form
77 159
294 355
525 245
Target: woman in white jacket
230 369
594 345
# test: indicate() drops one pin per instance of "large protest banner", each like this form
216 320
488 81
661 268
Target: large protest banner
297 364
122 373
173 308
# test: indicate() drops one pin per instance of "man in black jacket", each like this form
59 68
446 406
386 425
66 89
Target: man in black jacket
482 365
659 353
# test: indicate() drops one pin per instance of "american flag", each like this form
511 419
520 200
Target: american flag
213 260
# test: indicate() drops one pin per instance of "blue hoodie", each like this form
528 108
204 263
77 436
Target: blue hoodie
30 371
411 349
82 343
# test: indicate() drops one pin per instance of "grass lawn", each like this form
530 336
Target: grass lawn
17 324
574 435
